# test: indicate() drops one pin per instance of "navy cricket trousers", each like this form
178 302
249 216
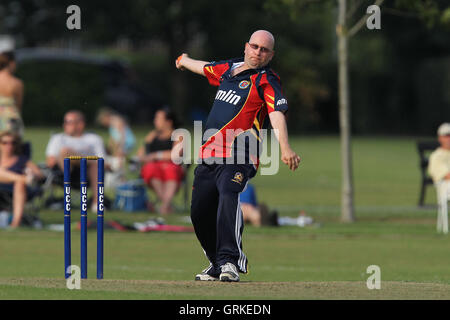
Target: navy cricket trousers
216 214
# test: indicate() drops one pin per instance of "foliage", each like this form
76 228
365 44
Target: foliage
56 87
384 64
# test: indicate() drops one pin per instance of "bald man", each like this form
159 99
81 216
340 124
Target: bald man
74 141
248 91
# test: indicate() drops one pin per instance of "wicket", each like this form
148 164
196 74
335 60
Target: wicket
83 221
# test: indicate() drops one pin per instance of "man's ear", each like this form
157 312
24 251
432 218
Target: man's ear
273 53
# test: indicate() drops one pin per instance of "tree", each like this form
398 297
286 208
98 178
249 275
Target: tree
349 23
344 33
429 12
345 29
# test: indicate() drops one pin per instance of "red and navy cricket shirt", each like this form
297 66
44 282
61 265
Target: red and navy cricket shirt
240 107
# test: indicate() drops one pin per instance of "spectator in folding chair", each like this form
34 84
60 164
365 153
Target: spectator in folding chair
439 163
439 170
157 169
121 138
16 172
74 141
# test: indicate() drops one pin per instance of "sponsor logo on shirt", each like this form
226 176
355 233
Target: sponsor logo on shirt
230 96
281 101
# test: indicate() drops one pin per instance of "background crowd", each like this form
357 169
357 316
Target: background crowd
18 172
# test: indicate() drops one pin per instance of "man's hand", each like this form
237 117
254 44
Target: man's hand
51 161
179 63
183 62
290 158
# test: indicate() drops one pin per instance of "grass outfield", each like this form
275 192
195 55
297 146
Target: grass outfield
324 261
284 264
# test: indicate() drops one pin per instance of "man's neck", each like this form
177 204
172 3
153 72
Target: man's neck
239 69
75 135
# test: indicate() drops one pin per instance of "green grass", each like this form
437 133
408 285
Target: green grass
324 261
332 256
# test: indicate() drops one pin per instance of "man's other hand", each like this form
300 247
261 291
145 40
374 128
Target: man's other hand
290 158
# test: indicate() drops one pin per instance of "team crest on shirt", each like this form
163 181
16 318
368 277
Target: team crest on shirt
238 177
244 84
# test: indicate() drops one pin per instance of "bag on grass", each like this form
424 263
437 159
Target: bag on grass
131 196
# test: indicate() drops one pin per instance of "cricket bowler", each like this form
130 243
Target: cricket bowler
248 91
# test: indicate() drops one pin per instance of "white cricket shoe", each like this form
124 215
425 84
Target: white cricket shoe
229 273
207 275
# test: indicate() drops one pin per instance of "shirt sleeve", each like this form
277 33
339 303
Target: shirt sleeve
272 93
214 71
438 166
52 149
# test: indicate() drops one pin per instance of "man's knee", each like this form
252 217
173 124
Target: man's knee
203 203
231 188
229 197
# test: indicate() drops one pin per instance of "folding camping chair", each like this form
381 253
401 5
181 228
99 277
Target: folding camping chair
135 166
34 195
424 148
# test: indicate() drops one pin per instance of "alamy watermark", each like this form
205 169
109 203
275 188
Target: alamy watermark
374 20
230 146
74 280
374 281
73 22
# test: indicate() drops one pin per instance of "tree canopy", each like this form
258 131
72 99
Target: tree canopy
393 69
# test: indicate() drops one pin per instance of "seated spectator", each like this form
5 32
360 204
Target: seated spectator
121 139
439 161
16 171
75 142
157 170
11 95
254 213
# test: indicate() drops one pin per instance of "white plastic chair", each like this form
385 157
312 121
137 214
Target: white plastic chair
443 196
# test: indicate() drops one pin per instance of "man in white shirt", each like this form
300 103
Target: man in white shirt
439 163
75 142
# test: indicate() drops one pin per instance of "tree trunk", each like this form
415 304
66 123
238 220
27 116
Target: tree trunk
347 214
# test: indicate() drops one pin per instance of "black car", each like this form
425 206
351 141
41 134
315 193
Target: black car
59 80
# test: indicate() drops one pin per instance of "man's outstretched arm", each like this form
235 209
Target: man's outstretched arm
288 156
196 66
